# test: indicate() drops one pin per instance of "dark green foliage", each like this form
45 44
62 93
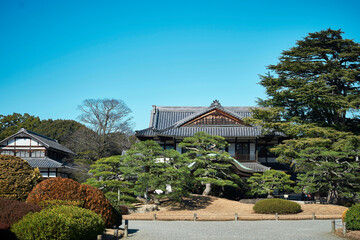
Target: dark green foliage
55 202
352 217
118 210
275 205
317 81
267 182
314 99
59 129
12 211
67 189
212 166
10 124
60 223
154 169
17 177
108 175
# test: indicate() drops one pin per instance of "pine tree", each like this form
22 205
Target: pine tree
154 169
317 81
211 165
267 182
313 98
108 175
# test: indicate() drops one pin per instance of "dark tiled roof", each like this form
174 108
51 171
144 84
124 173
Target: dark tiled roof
48 142
44 163
168 121
189 131
165 117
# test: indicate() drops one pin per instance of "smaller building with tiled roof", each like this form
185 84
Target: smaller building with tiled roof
247 145
39 151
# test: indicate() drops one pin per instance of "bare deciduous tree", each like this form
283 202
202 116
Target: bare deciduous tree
110 120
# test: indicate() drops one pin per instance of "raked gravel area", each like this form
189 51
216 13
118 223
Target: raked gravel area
248 230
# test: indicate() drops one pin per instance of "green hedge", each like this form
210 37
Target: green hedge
352 217
55 202
60 223
276 205
17 178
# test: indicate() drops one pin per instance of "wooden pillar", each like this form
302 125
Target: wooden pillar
126 228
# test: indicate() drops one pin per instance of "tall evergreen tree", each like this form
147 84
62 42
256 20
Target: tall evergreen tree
313 98
317 81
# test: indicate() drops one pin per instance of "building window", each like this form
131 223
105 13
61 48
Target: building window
23 154
37 154
242 151
7 153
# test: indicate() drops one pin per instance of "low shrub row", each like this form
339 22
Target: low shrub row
276 205
60 223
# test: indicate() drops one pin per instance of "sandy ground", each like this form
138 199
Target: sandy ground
353 235
212 208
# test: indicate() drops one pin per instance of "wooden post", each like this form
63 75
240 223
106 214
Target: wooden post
99 237
195 216
154 217
313 216
333 225
276 216
126 228
236 216
344 229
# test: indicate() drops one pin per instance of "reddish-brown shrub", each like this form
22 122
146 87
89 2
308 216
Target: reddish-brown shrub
4 225
12 211
17 177
95 200
67 189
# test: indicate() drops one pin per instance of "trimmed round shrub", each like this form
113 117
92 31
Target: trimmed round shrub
70 190
352 217
17 177
55 202
60 223
276 205
12 211
95 200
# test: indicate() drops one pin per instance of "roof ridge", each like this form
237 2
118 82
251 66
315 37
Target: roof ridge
40 135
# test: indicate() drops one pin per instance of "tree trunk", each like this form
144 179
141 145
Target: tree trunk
207 189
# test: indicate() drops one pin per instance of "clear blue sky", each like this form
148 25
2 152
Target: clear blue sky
55 54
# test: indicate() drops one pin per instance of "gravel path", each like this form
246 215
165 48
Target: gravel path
267 230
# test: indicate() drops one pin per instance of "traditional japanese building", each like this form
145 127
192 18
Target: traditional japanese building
39 151
247 145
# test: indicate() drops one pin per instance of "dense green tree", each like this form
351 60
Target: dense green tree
313 98
211 165
10 124
108 175
328 161
267 182
59 129
152 169
317 81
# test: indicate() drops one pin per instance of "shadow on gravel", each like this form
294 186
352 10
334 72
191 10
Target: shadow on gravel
192 203
131 231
